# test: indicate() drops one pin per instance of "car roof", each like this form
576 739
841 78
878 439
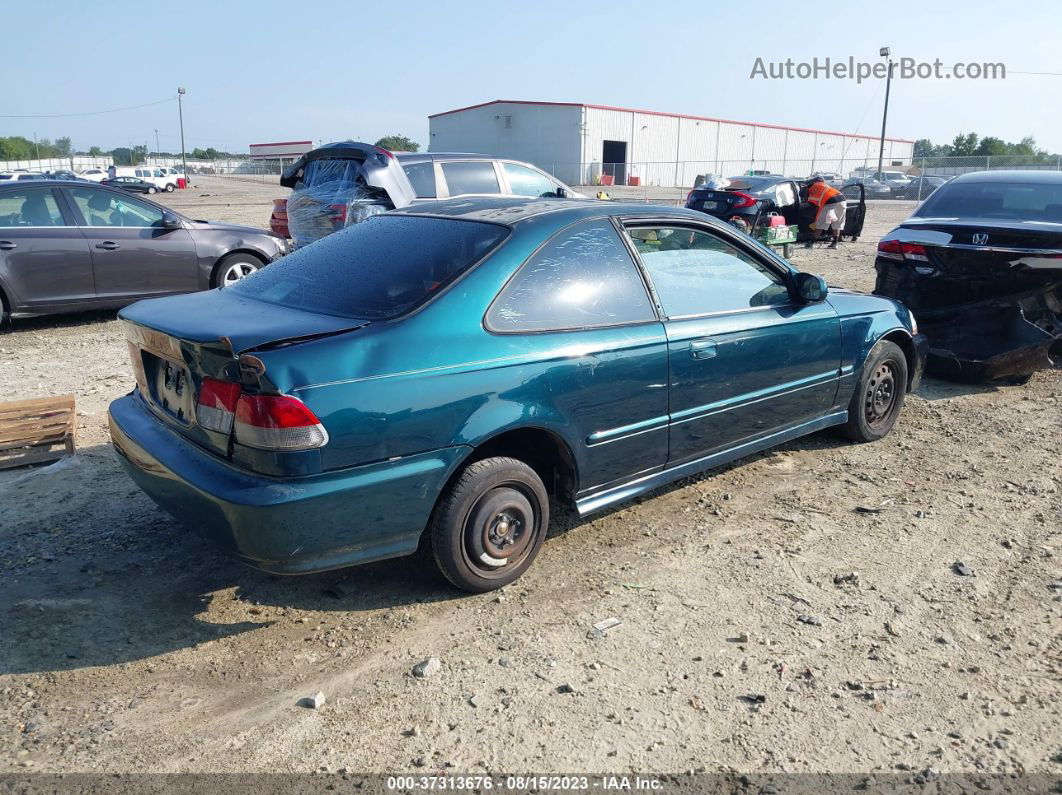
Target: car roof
1017 175
422 157
514 210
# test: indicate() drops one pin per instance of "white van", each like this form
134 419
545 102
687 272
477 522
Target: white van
166 182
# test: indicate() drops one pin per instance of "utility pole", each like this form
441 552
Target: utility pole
180 113
884 53
37 146
158 149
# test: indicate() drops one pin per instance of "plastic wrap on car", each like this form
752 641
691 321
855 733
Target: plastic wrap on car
330 196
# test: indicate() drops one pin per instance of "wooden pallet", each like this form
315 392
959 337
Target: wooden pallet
36 431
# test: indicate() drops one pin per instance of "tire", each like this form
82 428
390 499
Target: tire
879 396
491 498
152 190
233 268
5 315
169 187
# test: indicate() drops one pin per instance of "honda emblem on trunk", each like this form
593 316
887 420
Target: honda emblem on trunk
980 239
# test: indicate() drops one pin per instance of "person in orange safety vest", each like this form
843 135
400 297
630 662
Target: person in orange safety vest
830 209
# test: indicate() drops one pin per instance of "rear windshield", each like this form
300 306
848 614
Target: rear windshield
378 269
1021 201
750 183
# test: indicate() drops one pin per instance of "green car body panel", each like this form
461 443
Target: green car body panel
407 401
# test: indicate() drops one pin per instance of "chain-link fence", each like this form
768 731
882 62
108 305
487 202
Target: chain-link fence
672 180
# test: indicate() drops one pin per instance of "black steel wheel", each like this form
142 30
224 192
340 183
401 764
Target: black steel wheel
490 524
879 395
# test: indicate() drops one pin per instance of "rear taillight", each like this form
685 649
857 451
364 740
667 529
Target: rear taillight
744 200
277 422
688 196
897 250
217 404
338 213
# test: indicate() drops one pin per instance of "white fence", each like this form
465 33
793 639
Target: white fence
70 163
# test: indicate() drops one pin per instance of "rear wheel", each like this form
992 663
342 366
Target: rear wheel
169 187
5 315
490 524
152 190
235 267
879 396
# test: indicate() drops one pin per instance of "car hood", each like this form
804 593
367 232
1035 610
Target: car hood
378 168
222 226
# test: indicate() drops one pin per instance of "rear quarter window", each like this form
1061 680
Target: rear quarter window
378 269
468 176
422 177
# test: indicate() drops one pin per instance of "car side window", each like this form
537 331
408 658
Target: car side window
103 208
526 181
30 207
470 176
583 277
422 178
697 273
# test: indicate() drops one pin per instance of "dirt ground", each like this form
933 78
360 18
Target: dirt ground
127 644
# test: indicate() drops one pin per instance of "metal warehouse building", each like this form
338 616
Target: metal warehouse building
589 144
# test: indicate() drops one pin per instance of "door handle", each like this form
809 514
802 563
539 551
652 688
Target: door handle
108 245
702 349
6 245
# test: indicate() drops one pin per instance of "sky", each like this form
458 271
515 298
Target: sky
281 71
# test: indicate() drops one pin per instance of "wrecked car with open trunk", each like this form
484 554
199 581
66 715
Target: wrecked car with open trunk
979 263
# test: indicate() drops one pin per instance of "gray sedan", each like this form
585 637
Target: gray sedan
69 246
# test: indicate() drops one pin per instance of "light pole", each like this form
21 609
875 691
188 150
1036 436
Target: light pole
884 53
158 149
180 114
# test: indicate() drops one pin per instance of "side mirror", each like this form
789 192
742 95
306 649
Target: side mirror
811 288
171 221
562 193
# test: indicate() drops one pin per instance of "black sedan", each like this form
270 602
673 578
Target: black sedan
131 184
753 199
979 265
874 189
71 246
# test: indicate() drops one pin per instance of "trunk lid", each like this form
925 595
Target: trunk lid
178 341
378 168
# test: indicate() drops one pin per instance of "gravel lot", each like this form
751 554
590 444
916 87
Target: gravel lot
130 645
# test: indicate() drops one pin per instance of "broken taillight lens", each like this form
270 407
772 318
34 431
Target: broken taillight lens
216 407
277 422
897 250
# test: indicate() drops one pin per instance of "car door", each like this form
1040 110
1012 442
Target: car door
855 210
746 359
44 258
132 254
580 307
469 178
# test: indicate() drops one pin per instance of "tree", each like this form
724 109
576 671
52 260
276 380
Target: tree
62 146
992 147
121 156
138 155
95 151
16 148
964 145
398 143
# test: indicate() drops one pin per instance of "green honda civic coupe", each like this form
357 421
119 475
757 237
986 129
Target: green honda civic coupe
436 375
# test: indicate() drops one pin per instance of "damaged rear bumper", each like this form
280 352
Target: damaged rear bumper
282 525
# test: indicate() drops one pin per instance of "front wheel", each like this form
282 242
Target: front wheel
490 524
235 267
879 395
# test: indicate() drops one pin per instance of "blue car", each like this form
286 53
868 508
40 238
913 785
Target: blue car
434 375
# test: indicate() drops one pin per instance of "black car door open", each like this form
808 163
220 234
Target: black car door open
44 258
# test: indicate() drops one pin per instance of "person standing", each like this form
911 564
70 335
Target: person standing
829 210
